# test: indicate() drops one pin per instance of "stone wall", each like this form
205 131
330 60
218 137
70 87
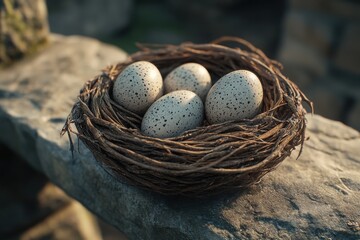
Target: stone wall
258 21
96 18
321 53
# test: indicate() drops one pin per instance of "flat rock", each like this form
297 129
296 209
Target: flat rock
314 197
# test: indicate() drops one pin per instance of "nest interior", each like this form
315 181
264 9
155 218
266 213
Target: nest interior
203 161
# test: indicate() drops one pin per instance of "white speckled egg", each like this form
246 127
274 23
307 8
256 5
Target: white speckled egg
173 114
237 95
189 76
138 86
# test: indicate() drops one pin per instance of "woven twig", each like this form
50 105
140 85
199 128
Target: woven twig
206 160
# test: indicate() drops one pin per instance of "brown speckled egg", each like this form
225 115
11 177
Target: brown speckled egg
173 114
189 76
138 86
237 95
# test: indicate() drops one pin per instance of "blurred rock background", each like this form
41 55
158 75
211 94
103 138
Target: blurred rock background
316 40
320 50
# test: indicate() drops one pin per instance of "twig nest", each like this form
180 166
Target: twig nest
212 158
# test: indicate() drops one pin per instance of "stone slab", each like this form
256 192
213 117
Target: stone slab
316 196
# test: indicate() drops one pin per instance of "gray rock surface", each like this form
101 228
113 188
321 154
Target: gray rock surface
314 197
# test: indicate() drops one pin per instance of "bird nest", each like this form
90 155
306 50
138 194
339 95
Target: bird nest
209 159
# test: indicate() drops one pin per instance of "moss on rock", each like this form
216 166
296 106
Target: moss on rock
23 28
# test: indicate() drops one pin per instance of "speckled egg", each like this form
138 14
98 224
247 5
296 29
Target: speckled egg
138 86
173 114
189 76
237 95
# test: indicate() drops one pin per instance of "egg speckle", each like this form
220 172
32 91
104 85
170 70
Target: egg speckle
237 95
189 76
138 86
173 114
